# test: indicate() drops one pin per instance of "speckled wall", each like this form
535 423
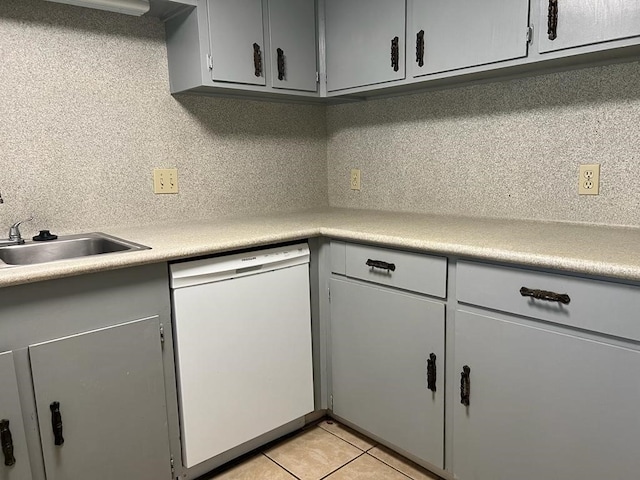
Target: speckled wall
86 114
509 149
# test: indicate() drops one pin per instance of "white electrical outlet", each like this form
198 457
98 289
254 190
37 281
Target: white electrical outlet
165 180
589 180
355 179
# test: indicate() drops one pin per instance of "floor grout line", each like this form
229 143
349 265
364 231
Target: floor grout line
342 466
345 440
391 466
291 473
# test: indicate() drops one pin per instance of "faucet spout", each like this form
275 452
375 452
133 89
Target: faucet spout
15 238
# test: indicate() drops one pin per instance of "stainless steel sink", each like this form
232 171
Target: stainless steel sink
71 246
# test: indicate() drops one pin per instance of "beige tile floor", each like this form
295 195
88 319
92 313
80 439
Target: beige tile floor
326 451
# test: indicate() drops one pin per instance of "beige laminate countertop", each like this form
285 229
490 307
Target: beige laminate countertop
592 250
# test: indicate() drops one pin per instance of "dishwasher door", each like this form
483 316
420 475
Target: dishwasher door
243 347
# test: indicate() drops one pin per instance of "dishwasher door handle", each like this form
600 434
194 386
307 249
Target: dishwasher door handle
253 268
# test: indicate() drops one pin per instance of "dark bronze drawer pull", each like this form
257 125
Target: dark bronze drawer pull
431 372
545 295
56 423
552 20
465 386
281 66
381 264
395 54
420 48
7 443
257 60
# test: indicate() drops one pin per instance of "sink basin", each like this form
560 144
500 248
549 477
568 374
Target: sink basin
71 246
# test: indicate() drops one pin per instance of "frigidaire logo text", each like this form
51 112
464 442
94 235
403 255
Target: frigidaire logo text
248 258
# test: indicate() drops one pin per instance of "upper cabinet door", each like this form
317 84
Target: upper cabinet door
292 26
453 34
236 34
364 42
14 460
572 23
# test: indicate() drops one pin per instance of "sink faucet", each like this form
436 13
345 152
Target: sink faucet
15 238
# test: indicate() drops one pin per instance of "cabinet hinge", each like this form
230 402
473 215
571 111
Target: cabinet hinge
329 292
210 62
529 34
162 335
317 77
331 401
173 466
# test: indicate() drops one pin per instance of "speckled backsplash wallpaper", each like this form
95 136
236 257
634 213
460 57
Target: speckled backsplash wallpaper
506 149
86 116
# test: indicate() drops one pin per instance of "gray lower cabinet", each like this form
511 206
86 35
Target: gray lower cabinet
574 23
14 462
382 343
543 403
365 42
457 33
101 404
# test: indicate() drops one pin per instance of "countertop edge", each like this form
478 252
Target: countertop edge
595 251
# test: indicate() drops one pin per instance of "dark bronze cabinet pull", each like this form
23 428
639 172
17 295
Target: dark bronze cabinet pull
420 48
257 60
56 423
7 443
280 64
545 295
465 386
431 372
552 20
395 54
380 264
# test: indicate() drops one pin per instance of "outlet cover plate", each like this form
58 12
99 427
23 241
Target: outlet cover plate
589 180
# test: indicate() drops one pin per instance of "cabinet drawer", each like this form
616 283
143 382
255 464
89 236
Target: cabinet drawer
600 306
409 271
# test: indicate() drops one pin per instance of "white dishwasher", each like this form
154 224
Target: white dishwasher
243 347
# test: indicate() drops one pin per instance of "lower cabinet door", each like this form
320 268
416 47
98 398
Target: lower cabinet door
14 461
101 404
543 404
382 341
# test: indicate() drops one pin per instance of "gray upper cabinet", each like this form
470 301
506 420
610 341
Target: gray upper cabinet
454 34
292 27
365 42
237 41
14 461
542 403
574 23
108 386
293 49
260 48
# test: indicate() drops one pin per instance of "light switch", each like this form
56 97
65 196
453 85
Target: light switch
165 180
